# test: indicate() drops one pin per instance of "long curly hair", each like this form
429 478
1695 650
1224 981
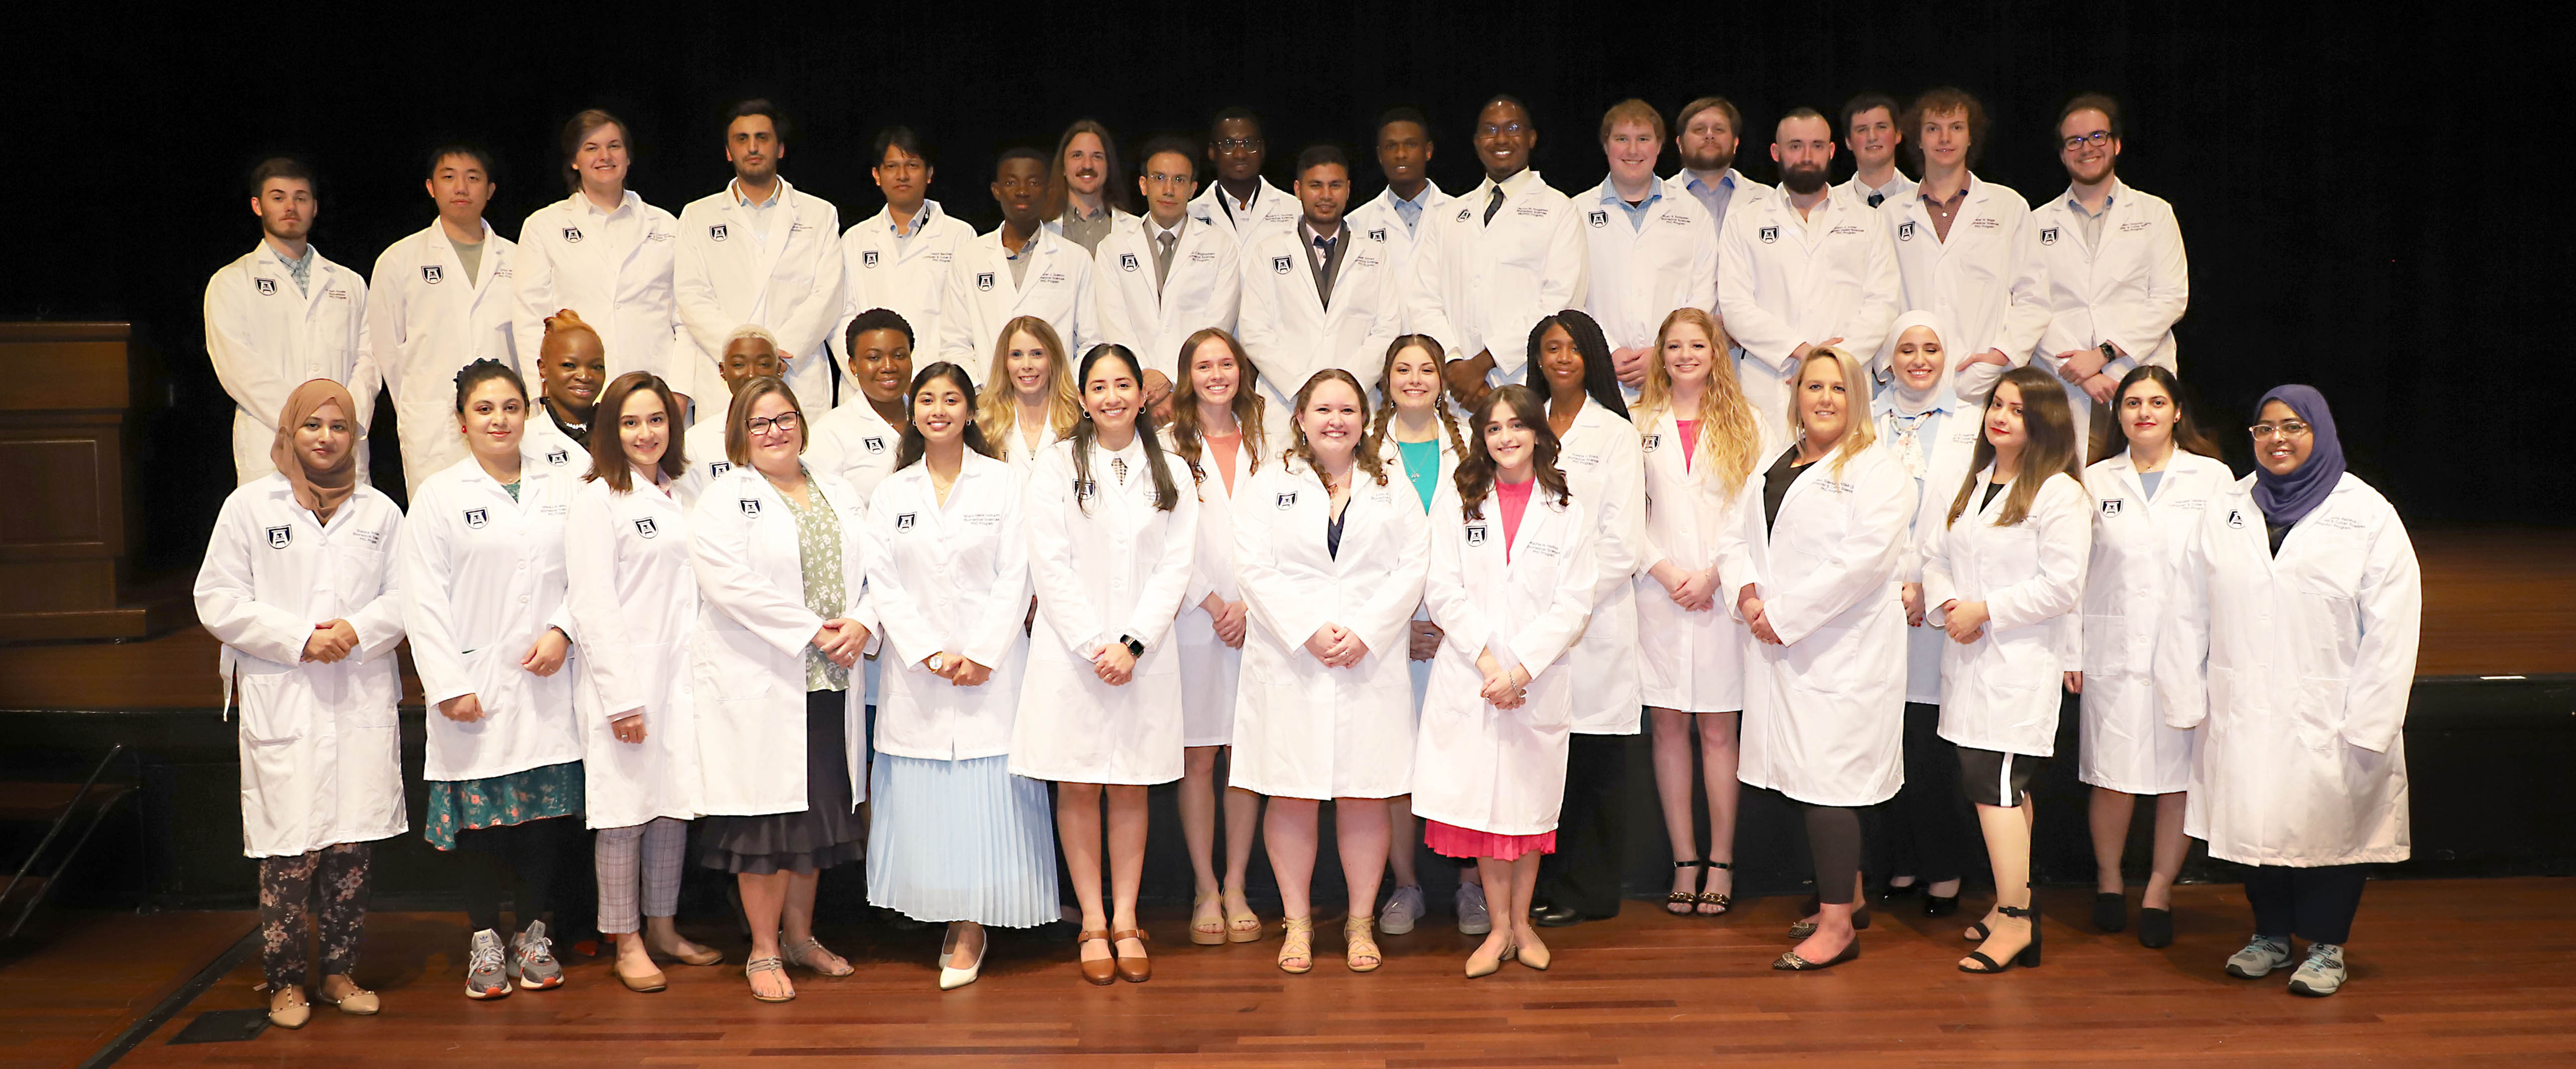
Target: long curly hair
1729 436
1475 477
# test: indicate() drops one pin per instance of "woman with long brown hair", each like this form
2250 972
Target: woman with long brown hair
1999 572
1700 443
1511 583
1029 401
1216 431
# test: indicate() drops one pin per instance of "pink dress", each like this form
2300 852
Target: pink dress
1450 840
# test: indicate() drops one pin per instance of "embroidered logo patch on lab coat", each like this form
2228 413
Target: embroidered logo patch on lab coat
874 442
750 506
430 273
984 281
1905 231
572 235
2048 236
716 232
645 527
1476 535
1279 264
476 518
1127 261
1770 234
2111 507
1287 501
267 286
868 258
279 537
1600 218
904 522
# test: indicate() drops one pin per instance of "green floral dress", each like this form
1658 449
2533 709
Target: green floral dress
500 801
818 556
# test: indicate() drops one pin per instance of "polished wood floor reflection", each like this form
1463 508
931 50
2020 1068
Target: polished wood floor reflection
2444 971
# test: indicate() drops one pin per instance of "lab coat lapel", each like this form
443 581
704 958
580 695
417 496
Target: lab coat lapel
912 246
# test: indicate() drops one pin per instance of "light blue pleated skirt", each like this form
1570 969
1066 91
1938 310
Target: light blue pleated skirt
961 841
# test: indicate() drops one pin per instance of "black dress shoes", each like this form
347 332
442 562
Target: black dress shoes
1552 915
2155 928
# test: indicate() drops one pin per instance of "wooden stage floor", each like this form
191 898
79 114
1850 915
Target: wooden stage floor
2444 972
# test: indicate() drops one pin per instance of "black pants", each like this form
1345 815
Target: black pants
1931 833
2315 904
523 869
1591 832
1833 839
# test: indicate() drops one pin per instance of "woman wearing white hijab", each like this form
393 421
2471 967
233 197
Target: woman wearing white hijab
1932 435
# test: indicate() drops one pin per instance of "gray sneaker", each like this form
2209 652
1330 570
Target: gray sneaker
532 959
1472 918
1403 908
2259 958
484 977
2321 974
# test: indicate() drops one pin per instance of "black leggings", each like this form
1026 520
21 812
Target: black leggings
1833 836
325 889
2315 904
523 855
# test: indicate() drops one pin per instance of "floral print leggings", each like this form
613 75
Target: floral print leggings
288 889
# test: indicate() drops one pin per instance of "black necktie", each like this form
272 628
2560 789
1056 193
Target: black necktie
1324 249
1876 198
1493 205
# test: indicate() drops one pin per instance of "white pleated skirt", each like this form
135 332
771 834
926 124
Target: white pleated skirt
961 841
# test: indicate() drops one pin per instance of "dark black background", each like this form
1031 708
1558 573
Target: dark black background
2361 195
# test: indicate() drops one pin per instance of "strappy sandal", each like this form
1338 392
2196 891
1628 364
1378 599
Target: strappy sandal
1298 944
1723 902
806 955
1359 937
1100 972
1244 927
756 966
1678 903
2027 957
1207 921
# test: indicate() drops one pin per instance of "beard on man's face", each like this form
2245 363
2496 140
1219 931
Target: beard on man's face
1711 160
1803 180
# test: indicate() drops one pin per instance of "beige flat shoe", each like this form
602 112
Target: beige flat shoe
357 1001
287 1008
648 982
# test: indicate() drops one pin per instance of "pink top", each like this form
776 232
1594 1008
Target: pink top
1224 449
1515 498
1689 429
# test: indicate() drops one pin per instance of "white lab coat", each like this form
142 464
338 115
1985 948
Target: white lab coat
266 339
951 576
854 444
747 660
425 321
2128 289
1380 219
1304 730
1949 447
1119 569
979 297
907 276
1690 661
1824 714
634 604
725 276
321 752
2138 541
1987 281
482 580
1477 286
1900 188
1502 771
1211 671
1781 285
614 270
1272 210
1016 450
704 449
1203 290
2001 691
547 444
1291 332
1392 456
2297 669
1640 274
1605 467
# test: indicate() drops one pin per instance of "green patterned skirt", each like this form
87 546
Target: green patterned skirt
519 797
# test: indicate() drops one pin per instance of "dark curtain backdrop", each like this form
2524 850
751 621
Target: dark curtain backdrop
2370 206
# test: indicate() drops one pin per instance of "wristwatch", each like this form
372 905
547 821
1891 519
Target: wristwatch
2108 353
1134 648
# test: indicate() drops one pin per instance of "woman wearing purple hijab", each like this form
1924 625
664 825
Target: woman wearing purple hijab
2293 640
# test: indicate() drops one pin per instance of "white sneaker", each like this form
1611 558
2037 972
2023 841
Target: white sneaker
1402 908
2259 958
2321 974
1472 918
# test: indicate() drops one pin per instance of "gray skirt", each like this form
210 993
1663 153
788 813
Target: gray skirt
824 835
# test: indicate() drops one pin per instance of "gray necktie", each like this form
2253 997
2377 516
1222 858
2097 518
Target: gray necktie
1493 205
1163 243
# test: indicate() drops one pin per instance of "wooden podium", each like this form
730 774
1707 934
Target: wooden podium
66 398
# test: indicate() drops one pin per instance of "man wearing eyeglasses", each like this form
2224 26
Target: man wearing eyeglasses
1965 247
1869 131
2117 275
1168 273
898 258
760 251
1496 260
1242 202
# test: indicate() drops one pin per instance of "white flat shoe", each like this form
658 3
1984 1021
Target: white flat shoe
951 979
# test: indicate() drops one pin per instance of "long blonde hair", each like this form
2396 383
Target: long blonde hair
1859 431
1729 436
1001 404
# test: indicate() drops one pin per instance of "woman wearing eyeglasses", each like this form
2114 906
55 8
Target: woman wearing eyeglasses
2292 639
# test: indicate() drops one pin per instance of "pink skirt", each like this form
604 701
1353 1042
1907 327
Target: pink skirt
1450 840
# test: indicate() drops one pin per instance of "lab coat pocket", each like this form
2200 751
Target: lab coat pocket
272 708
2318 713
358 574
731 664
2108 650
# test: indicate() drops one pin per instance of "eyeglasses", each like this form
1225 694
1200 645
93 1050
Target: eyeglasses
1510 128
2285 429
1238 144
782 423
1160 179
2097 138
